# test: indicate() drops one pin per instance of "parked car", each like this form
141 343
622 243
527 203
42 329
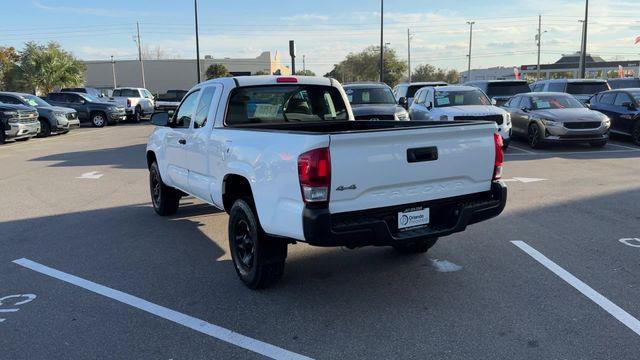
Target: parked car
89 108
499 91
310 173
624 83
582 89
18 122
405 92
137 102
551 117
623 108
170 100
53 119
86 90
374 101
455 103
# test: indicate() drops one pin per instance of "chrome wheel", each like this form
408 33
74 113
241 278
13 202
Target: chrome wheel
98 120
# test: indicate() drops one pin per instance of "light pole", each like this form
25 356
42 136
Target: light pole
470 42
381 40
144 84
113 71
583 49
409 36
195 8
538 41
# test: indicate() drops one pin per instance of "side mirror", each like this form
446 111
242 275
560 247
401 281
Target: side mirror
429 105
160 119
525 109
629 105
403 102
494 102
83 102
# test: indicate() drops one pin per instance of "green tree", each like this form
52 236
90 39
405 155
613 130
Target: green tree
44 67
8 60
428 72
216 71
365 66
305 73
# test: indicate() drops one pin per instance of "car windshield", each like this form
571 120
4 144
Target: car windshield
507 88
358 95
285 103
586 88
91 98
624 83
460 97
555 102
33 100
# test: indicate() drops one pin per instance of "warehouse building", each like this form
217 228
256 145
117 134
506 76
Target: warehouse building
163 75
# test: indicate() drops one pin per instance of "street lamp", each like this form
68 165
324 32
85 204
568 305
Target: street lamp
470 23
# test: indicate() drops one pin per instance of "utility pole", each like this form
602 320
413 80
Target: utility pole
539 39
409 53
144 84
292 53
113 71
195 7
381 40
583 49
470 42
304 64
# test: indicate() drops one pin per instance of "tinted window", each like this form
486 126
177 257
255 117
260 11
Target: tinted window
126 93
586 87
514 102
555 102
636 95
9 100
624 83
621 99
525 103
360 95
73 98
203 107
284 103
401 91
182 119
556 87
147 94
607 98
538 87
462 97
507 88
418 99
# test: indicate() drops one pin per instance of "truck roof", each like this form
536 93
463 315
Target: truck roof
273 80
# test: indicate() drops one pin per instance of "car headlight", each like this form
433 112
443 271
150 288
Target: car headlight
551 123
112 108
59 114
507 119
606 122
402 115
10 113
444 118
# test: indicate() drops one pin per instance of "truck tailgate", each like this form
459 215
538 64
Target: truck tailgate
373 169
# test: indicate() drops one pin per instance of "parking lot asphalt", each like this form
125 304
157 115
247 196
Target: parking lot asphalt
125 283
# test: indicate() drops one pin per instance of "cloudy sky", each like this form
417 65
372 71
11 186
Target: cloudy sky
325 31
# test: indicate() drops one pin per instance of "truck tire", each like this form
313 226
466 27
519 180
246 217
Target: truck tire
137 114
258 258
45 128
165 199
98 119
416 247
3 136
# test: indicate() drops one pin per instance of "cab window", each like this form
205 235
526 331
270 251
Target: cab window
203 107
607 98
621 99
182 118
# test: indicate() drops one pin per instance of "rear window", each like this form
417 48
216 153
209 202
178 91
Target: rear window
360 95
624 83
462 97
586 88
507 88
126 93
285 103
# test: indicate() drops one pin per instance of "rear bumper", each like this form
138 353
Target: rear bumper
379 226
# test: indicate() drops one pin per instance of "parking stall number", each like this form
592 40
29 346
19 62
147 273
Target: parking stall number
633 242
11 303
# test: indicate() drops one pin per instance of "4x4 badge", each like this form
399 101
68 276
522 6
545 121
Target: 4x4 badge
350 187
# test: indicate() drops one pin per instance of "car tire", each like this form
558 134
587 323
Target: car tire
415 247
45 128
505 144
598 144
258 258
635 133
98 119
137 114
165 199
3 136
534 136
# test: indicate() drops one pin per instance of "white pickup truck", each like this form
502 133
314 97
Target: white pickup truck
137 102
285 158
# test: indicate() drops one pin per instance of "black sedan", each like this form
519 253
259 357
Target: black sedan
374 101
544 118
623 108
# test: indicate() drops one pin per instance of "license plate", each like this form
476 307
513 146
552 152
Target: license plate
413 218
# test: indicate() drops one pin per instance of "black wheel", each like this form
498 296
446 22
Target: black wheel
98 119
45 128
635 133
137 114
598 144
416 247
165 199
259 259
534 136
3 136
505 144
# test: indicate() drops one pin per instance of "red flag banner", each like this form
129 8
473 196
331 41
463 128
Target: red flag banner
620 71
516 73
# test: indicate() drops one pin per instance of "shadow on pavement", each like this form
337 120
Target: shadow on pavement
119 157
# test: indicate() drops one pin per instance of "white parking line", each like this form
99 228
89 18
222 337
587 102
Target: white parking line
613 309
624 146
196 324
521 149
574 152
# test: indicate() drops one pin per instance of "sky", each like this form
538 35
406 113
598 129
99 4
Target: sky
326 31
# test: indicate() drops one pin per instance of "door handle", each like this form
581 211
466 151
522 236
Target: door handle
182 141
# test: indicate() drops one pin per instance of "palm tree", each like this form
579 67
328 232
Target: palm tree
42 68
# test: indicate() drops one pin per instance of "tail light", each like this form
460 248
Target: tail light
497 166
287 79
314 172
128 102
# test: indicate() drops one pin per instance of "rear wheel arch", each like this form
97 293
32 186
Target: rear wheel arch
151 158
235 187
